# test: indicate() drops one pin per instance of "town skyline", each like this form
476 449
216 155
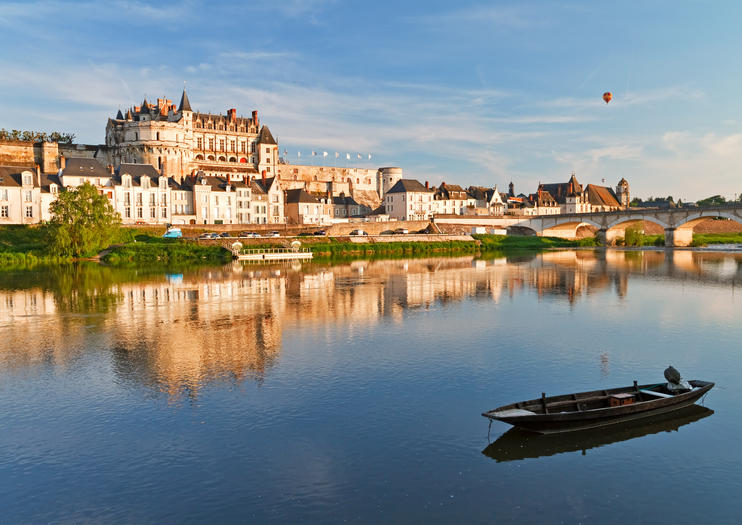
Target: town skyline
523 104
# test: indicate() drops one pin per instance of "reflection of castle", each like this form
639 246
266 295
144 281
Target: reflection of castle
177 335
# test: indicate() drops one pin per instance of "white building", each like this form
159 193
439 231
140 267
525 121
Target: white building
408 200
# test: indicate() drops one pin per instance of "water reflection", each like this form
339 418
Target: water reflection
176 333
516 444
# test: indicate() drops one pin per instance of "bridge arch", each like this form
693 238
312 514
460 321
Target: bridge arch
694 218
568 228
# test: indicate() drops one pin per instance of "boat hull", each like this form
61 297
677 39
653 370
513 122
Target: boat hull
574 420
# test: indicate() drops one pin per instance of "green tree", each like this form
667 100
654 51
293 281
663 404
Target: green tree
83 222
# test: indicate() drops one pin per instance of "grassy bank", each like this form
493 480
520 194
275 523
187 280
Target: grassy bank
337 247
702 239
149 250
515 242
24 246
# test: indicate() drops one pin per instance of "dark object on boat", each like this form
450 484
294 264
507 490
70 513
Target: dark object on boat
598 408
517 444
672 375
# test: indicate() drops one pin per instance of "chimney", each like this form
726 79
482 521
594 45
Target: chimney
443 184
263 177
62 162
255 117
427 185
38 175
232 114
110 169
229 179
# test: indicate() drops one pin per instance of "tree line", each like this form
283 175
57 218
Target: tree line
36 136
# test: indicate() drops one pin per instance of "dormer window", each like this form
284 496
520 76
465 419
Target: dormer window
145 182
53 189
27 179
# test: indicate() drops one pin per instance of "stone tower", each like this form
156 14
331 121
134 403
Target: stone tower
388 178
622 192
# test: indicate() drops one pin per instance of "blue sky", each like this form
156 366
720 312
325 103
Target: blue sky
463 92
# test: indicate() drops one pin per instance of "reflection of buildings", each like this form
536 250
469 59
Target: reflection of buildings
178 333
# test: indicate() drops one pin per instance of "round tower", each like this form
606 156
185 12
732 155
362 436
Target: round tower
389 177
622 192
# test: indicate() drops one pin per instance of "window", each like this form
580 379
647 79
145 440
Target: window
127 198
139 212
229 201
164 213
29 211
158 135
28 196
211 144
205 198
3 195
4 212
221 144
27 180
199 143
153 213
267 150
163 200
231 145
127 212
139 199
53 189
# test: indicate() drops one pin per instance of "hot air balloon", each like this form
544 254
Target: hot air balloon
607 96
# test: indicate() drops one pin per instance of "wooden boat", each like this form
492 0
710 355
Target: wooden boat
583 410
517 444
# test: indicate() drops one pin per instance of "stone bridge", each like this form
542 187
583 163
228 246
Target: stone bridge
678 223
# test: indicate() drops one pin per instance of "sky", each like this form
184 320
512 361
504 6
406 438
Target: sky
466 92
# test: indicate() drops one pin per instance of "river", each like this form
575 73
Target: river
352 392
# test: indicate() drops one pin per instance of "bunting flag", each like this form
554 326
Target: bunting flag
324 154
347 156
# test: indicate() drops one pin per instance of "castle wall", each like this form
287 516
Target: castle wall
13 153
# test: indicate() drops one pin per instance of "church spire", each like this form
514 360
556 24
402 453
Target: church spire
185 104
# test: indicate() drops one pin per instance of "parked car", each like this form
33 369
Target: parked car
273 234
248 235
304 234
320 232
225 235
387 232
206 235
173 233
358 232
401 231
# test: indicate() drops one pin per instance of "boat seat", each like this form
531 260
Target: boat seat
514 412
653 393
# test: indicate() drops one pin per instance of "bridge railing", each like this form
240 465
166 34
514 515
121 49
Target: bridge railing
259 251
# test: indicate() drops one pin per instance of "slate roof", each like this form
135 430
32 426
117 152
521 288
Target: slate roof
300 195
10 176
344 200
47 179
185 104
561 191
83 167
137 170
408 185
265 136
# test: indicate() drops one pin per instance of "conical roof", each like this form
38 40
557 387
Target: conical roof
145 106
119 115
185 104
265 136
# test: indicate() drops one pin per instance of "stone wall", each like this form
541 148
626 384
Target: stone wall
14 153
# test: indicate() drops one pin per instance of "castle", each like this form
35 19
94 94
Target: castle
180 142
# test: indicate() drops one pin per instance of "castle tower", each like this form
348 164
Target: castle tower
388 178
622 192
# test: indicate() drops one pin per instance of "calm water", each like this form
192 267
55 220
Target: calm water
353 393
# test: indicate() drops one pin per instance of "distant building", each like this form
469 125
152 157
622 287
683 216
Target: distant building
408 200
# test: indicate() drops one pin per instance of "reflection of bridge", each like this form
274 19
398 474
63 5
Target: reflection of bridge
678 223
